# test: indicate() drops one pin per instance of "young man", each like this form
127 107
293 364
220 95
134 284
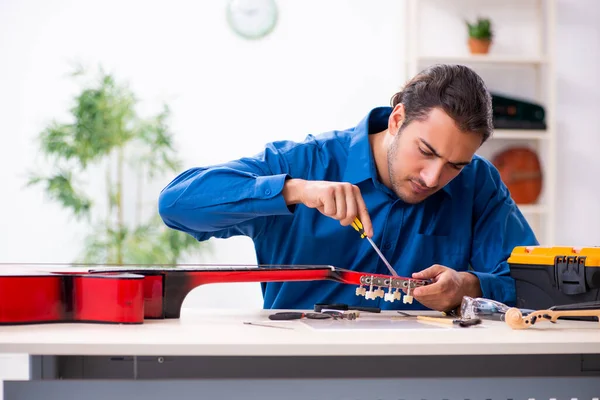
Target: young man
409 172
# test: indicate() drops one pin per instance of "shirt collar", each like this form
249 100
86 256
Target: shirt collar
361 165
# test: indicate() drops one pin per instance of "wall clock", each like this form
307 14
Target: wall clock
252 19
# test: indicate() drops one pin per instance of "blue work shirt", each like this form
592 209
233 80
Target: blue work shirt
471 222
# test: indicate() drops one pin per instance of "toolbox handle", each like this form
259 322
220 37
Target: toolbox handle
570 274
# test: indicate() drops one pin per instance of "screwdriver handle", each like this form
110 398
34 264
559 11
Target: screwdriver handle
356 224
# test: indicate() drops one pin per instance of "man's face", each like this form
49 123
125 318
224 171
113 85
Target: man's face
427 155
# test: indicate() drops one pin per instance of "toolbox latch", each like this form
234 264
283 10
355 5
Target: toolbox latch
570 274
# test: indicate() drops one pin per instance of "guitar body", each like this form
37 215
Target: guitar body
44 293
40 297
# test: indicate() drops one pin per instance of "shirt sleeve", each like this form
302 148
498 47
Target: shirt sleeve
499 226
234 198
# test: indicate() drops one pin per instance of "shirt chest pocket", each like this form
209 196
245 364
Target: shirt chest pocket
449 250
436 218
440 235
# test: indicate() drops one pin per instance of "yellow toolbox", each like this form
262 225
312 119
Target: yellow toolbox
552 276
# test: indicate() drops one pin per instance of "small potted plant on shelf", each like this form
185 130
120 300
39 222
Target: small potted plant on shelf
480 35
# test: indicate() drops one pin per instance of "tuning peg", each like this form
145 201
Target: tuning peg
361 291
392 295
408 299
378 293
371 294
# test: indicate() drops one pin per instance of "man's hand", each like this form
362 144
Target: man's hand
448 287
339 200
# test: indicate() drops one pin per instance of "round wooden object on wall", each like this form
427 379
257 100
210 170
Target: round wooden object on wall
521 172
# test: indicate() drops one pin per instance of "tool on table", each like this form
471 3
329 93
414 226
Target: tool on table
516 320
344 307
339 314
289 315
464 323
326 314
267 326
360 229
483 308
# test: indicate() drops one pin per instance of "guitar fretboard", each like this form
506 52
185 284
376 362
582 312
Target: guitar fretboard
208 268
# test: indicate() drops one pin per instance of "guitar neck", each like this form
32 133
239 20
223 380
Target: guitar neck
262 274
195 275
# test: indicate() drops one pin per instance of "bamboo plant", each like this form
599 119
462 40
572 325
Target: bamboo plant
106 135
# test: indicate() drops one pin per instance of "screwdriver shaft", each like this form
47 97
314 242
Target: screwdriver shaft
382 257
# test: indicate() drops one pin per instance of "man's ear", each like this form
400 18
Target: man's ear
396 119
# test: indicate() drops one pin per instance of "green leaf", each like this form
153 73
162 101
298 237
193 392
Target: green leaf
480 29
59 187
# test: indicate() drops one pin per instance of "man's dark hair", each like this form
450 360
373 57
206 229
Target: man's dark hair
457 90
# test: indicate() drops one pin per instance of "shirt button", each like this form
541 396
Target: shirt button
387 246
268 192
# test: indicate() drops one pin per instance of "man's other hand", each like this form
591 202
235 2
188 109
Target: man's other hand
448 287
339 200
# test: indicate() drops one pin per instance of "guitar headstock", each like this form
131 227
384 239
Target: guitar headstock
372 287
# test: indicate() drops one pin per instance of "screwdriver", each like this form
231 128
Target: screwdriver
359 227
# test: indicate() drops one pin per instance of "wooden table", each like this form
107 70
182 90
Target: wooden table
379 356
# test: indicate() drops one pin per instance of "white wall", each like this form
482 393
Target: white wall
578 106
323 67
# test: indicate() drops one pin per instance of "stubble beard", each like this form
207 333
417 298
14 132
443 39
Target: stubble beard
395 183
391 155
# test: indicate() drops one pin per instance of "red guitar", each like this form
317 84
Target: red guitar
128 294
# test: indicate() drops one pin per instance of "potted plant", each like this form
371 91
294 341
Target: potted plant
101 166
480 35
